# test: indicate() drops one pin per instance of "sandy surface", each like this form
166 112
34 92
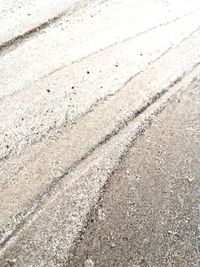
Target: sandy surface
73 97
149 211
27 177
19 17
46 236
